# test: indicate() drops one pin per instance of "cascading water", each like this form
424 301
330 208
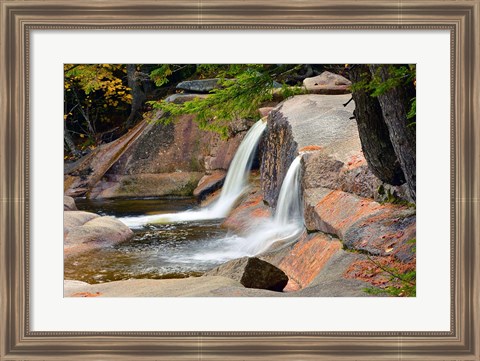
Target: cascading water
198 246
235 184
289 205
237 176
285 227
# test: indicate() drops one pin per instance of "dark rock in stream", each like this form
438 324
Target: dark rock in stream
252 272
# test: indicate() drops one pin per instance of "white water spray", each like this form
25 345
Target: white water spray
235 184
289 205
285 227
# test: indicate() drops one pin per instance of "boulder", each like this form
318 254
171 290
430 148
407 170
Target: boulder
209 184
351 174
181 98
362 224
305 121
198 86
359 180
321 170
69 204
74 219
327 83
252 272
96 233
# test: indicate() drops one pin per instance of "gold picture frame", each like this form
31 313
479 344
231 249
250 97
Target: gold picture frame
19 17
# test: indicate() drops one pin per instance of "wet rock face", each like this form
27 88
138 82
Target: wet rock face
161 148
252 272
248 214
167 160
279 151
221 152
302 123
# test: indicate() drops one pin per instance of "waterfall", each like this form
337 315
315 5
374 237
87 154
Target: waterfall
237 175
283 228
286 225
235 184
289 205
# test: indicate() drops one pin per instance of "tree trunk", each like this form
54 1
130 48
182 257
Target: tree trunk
138 95
374 134
69 141
395 104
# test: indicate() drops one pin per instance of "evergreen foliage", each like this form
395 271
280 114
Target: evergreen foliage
399 75
242 89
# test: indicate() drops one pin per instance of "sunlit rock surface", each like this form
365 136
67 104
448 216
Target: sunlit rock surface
305 121
84 231
361 223
327 83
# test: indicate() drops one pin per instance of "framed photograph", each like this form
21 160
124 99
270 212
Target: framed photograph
240 180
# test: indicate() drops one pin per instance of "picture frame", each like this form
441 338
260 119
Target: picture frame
18 342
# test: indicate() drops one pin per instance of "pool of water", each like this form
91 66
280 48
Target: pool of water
174 250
